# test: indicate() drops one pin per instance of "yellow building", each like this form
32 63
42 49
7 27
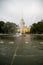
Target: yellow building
23 28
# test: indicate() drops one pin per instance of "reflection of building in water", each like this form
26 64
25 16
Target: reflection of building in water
23 28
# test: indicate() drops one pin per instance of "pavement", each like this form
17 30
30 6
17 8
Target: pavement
21 51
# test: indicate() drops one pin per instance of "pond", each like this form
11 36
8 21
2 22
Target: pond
21 50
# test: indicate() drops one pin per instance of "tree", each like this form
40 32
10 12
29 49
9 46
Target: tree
7 28
10 27
37 27
2 26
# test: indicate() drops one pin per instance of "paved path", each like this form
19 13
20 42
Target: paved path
21 51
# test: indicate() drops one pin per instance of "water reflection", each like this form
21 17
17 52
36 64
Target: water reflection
25 50
37 37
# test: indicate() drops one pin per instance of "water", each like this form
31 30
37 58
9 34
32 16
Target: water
21 50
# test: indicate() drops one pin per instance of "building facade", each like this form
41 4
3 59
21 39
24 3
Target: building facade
23 28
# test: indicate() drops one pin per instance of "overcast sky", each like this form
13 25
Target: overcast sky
13 10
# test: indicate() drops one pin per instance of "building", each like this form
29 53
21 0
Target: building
23 28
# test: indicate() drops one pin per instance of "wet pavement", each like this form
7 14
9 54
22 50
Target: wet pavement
21 50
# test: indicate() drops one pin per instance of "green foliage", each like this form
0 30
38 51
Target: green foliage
1 26
37 27
8 28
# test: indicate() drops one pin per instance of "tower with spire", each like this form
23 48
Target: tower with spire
23 28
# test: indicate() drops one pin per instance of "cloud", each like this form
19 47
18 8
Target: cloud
32 10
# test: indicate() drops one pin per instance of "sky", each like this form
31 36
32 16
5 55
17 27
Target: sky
14 10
